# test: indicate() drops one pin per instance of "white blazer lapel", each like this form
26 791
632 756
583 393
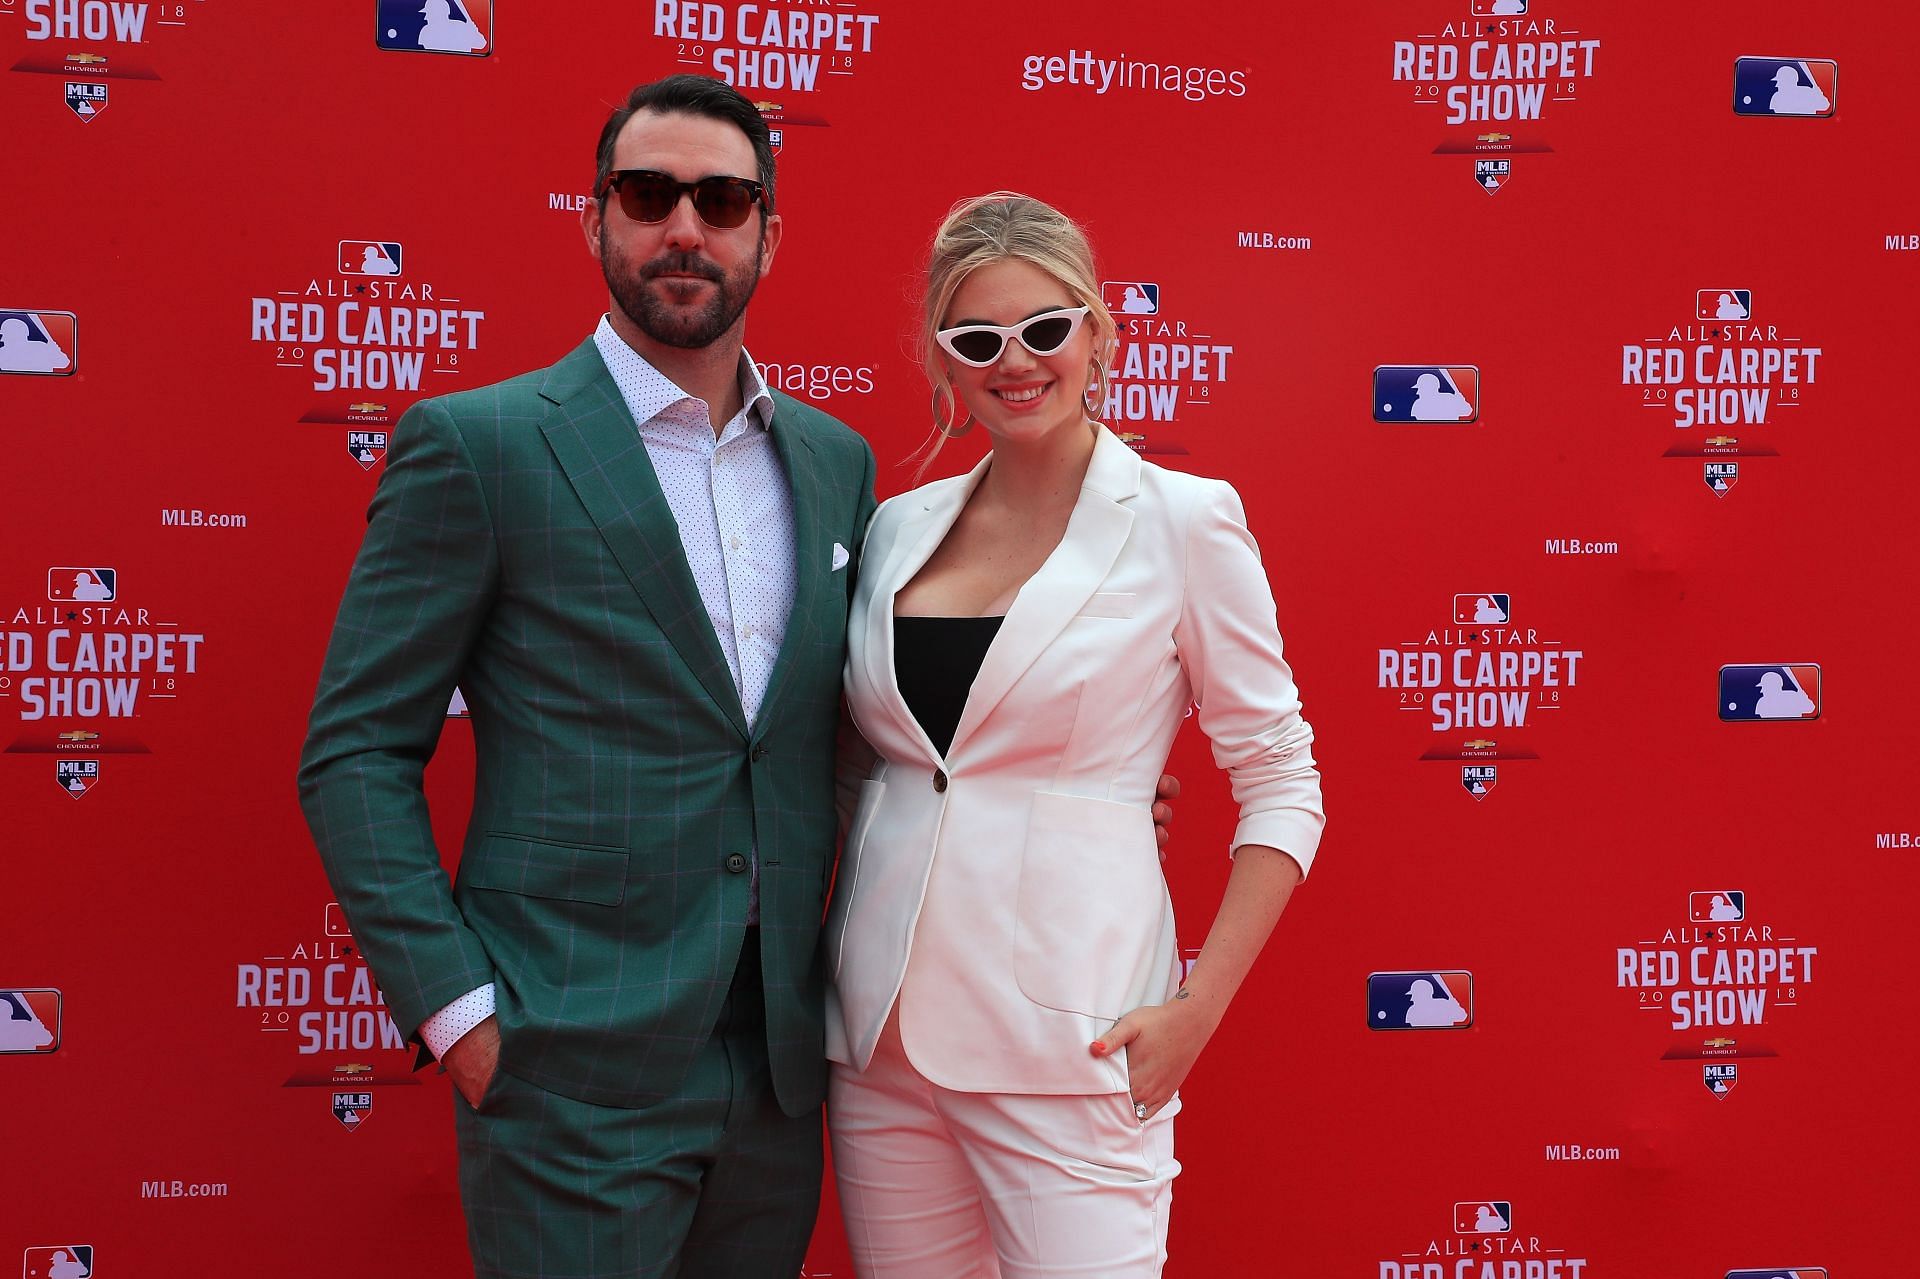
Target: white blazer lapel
918 537
1054 595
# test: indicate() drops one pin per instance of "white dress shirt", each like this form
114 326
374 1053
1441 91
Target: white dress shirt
733 504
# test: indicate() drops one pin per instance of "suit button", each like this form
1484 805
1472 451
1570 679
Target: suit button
759 753
939 781
736 862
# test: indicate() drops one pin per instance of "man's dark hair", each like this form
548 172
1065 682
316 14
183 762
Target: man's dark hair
690 95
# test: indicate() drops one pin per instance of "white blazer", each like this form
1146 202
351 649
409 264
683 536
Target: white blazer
1009 895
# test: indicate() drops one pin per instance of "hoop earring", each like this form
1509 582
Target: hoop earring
943 422
1094 398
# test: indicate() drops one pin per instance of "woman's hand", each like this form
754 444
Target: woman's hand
1162 1042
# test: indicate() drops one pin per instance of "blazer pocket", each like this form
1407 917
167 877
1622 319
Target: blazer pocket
1089 906
1109 604
542 868
846 880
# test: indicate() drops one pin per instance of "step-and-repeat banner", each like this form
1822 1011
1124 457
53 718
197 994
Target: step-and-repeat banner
1556 346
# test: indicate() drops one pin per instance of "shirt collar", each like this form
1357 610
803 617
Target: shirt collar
650 393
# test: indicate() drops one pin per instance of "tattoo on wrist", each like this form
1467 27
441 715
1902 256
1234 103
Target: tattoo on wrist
1182 993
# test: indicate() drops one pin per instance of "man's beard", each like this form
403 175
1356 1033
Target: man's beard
688 329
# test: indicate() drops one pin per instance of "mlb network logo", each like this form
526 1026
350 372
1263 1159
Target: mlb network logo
1478 779
1723 304
1130 297
42 342
1785 86
59 1261
1420 1000
82 585
1777 690
366 447
29 1021
1426 393
1482 1217
1711 908
76 776
436 26
370 257
87 99
1493 606
1720 476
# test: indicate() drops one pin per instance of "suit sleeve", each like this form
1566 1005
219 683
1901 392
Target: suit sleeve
1229 643
414 603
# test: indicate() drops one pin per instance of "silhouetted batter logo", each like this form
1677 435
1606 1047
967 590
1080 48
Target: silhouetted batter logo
76 776
29 1020
436 26
1770 691
1785 86
1727 906
1426 393
1420 1000
366 447
1494 607
59 1261
352 1109
1723 304
370 257
1482 1217
87 98
1130 297
85 585
43 342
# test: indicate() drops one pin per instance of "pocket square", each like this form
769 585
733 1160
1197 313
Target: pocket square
839 557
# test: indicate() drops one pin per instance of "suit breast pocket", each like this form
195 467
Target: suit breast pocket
1091 901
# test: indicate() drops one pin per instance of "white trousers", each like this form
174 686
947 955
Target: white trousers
936 1184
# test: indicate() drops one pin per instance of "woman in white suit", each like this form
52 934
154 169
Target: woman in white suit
1008 1022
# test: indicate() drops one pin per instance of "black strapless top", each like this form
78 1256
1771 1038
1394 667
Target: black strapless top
935 660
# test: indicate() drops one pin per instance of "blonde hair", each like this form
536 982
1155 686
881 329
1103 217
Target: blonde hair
993 228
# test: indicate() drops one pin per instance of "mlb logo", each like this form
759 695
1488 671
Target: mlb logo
436 26
776 138
352 1108
1785 86
1780 1272
1498 8
366 447
43 342
1483 1217
61 1261
370 257
1426 393
1721 477
1492 174
1419 1001
1479 778
1780 691
29 1021
1130 297
1725 906
1723 304
87 98
84 585
1720 1076
336 925
1492 606
76 776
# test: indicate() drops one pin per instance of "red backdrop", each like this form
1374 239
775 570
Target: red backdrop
1520 205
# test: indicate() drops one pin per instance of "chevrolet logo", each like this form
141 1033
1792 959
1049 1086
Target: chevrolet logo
78 735
366 406
1128 437
1496 137
86 59
1478 744
1720 1042
353 1068
1718 440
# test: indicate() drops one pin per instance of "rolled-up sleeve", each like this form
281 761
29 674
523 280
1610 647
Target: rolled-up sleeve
1228 639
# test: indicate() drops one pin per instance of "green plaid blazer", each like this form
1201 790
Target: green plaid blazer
520 547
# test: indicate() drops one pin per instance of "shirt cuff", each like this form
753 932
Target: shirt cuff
444 1029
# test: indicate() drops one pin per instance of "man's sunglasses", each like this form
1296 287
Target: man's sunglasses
981 344
646 196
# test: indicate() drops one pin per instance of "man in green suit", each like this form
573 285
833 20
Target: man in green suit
635 564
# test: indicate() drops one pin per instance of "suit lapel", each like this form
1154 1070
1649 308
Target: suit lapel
593 436
1055 594
812 570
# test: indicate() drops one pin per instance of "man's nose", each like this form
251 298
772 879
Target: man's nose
684 229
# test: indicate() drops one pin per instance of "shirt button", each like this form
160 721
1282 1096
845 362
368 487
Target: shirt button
736 542
736 862
940 781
